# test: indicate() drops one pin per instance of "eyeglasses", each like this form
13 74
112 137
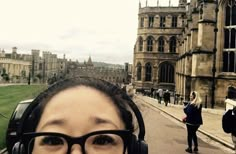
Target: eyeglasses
99 142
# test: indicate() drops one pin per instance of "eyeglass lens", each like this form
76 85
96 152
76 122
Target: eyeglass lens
95 144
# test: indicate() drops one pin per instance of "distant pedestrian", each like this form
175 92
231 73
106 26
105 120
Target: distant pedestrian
154 94
124 88
151 92
174 94
193 111
229 124
160 94
166 97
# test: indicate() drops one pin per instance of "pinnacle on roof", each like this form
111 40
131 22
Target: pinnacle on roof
89 61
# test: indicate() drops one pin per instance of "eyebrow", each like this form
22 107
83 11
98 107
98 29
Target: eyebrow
58 122
103 121
97 120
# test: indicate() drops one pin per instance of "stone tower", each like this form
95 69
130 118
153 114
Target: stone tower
35 62
156 47
14 53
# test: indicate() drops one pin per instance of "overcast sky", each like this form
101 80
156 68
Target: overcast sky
104 29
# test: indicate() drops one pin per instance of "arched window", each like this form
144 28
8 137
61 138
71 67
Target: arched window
140 47
166 73
173 44
229 61
226 40
225 62
150 21
161 44
229 52
148 73
150 43
232 62
142 22
232 43
162 21
139 71
234 13
174 22
227 16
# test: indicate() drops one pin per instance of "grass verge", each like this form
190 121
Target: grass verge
9 97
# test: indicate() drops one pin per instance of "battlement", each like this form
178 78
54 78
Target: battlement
158 9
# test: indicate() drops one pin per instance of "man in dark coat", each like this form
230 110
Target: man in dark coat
229 124
166 97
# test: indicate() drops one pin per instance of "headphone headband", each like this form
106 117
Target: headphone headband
130 103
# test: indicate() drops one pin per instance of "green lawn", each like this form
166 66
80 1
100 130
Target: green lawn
9 97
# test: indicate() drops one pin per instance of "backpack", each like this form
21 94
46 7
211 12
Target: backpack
229 121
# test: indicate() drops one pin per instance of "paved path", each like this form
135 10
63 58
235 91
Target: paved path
11 84
212 125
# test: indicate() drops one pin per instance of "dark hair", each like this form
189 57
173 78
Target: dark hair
119 98
194 94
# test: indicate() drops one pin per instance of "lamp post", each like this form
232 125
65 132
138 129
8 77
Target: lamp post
44 67
29 78
214 57
33 64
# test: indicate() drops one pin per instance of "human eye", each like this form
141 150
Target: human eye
104 140
51 141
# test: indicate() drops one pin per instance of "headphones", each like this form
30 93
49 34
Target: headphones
137 145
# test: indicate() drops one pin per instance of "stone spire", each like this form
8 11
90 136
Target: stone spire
89 63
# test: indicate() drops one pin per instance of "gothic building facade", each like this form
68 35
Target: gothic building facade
156 50
21 67
113 75
13 66
205 53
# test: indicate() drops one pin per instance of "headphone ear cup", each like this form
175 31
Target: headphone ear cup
18 148
143 147
132 149
137 146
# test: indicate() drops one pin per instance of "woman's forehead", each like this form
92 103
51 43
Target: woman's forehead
81 95
84 103
81 90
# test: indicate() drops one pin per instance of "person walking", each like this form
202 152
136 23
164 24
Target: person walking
160 93
166 97
193 111
229 124
233 134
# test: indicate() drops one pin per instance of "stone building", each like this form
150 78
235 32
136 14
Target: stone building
21 67
156 47
62 67
116 76
48 67
205 49
128 70
16 66
50 61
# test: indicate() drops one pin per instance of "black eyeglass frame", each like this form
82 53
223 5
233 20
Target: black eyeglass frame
126 136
